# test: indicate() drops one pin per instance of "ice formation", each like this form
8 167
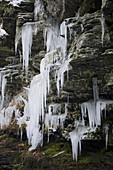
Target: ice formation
63 38
106 129
55 40
26 44
51 37
54 118
82 27
76 136
15 3
35 116
28 30
103 28
3 33
7 114
38 9
3 83
94 109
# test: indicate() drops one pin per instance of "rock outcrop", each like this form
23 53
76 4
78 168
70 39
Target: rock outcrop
89 48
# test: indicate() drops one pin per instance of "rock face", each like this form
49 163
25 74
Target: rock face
62 9
89 45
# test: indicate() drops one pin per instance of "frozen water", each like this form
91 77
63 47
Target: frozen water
82 27
54 118
51 37
28 30
60 74
15 3
103 28
76 136
26 44
38 9
7 114
106 129
63 38
3 33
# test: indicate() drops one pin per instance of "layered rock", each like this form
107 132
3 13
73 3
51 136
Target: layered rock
89 48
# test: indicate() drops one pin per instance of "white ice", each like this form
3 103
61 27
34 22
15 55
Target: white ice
26 44
103 28
76 136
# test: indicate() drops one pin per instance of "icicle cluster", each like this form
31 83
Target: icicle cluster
76 136
26 44
26 33
55 40
54 118
6 113
10 112
94 108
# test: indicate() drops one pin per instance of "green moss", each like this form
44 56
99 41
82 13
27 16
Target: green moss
90 157
12 140
110 153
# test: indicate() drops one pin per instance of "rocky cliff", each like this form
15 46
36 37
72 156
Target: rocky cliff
84 54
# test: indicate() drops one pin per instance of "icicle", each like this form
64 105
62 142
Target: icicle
20 56
36 100
45 36
18 35
38 9
94 107
60 74
76 136
75 140
26 44
54 118
51 36
4 81
67 72
103 29
106 128
82 27
63 38
103 3
77 15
